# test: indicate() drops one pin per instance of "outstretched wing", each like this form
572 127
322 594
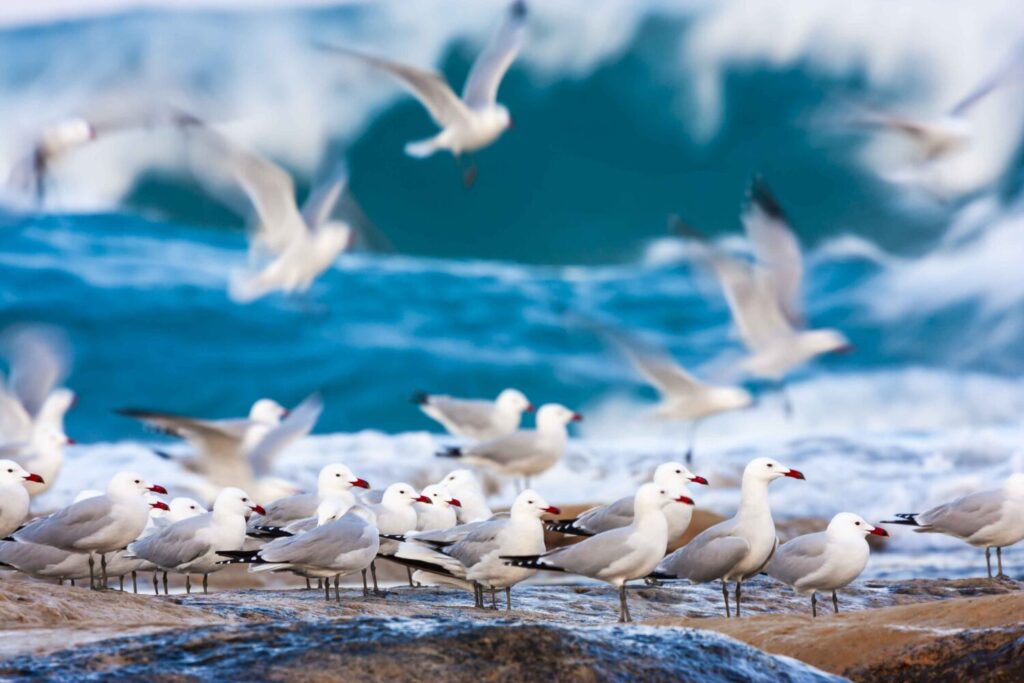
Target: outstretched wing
299 423
493 63
776 248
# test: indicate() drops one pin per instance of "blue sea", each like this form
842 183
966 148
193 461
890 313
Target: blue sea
624 113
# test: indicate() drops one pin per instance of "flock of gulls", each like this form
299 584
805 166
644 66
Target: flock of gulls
445 533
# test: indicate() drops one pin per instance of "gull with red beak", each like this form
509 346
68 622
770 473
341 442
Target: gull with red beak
738 548
335 481
621 554
395 516
620 513
440 513
476 419
14 498
97 525
191 545
827 560
524 453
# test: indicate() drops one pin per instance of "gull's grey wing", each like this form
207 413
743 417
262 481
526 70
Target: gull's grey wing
269 187
33 558
174 545
324 197
286 510
321 546
964 516
211 439
707 557
479 541
798 558
670 379
484 78
505 450
466 412
455 534
297 425
776 248
428 87
372 497
39 359
592 555
606 517
66 527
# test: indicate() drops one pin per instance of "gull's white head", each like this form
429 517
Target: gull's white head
267 411
183 508
731 398
460 482
13 473
130 483
337 478
671 473
440 495
768 469
234 501
849 524
529 503
555 415
654 496
513 401
826 341
46 439
401 494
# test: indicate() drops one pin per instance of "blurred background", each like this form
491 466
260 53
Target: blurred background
625 112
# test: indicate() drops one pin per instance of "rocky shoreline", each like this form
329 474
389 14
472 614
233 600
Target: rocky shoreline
909 630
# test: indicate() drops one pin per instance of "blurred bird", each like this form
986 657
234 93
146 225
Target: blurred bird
237 452
476 419
763 296
477 119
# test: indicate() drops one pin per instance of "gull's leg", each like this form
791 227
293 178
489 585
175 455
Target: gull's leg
156 585
319 583
373 573
135 582
814 604
308 586
725 596
121 587
72 583
988 560
103 569
92 573
624 616
327 590
366 590
188 584
494 598
337 590
165 584
206 583
60 581
999 560
508 598
693 441
467 164
408 572
739 586
835 602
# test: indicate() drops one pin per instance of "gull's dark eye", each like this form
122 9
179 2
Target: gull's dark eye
857 523
679 471
337 475
10 470
530 502
138 481
770 465
662 492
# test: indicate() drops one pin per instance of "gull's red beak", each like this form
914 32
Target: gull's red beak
285 413
160 505
68 441
157 488
796 474
511 123
455 502
685 499
845 349
35 477
530 408
552 510
696 479
879 531
576 417
74 400
423 499
258 509
361 483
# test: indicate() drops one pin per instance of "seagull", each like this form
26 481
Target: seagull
987 519
827 560
474 121
525 452
338 547
98 525
440 513
621 554
43 453
760 294
238 452
463 485
473 551
120 563
683 396
14 498
44 562
615 515
334 481
395 516
191 546
291 247
476 419
738 548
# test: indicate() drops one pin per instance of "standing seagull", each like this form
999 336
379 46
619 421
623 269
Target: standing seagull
524 453
987 519
476 419
293 247
620 513
14 499
738 548
827 560
97 525
395 516
477 119
334 481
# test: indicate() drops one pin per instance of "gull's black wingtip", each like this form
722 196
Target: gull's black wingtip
419 397
759 194
450 452
904 518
